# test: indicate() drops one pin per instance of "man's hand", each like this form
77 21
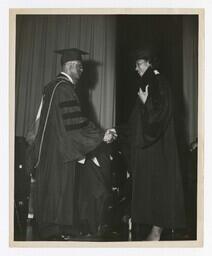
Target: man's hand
110 135
143 94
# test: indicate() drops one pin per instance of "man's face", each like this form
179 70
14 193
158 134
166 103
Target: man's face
141 66
75 70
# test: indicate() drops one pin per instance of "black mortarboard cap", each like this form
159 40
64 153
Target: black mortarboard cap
70 54
149 52
146 51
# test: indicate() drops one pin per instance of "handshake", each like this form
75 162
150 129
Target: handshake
110 135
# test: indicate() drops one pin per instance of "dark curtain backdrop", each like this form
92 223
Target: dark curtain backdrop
176 38
109 40
37 36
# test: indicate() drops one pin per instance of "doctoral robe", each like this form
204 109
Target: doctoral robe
94 191
64 137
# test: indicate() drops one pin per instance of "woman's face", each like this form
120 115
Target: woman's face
141 66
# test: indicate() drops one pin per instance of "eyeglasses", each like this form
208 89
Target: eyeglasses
79 65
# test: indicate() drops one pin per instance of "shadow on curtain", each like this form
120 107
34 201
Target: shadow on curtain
37 36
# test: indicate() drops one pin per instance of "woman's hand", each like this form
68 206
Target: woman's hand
143 94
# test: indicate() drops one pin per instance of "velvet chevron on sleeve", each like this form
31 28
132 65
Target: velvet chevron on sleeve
64 136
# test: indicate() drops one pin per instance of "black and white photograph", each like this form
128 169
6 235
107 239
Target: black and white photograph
107 130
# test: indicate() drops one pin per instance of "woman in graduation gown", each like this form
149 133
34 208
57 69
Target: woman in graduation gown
157 193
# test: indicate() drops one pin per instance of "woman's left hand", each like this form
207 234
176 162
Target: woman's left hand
143 94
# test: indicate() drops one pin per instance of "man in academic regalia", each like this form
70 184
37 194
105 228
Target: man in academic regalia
157 192
63 140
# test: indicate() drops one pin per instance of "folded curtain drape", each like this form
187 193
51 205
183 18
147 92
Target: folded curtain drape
190 75
37 36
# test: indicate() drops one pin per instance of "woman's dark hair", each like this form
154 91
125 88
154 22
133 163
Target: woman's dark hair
148 53
154 61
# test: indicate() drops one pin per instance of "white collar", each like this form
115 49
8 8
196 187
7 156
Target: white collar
69 78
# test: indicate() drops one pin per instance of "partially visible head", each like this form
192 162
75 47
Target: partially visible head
145 58
74 69
71 61
141 66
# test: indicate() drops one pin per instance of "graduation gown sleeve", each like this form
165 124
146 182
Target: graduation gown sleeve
77 135
150 120
156 113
